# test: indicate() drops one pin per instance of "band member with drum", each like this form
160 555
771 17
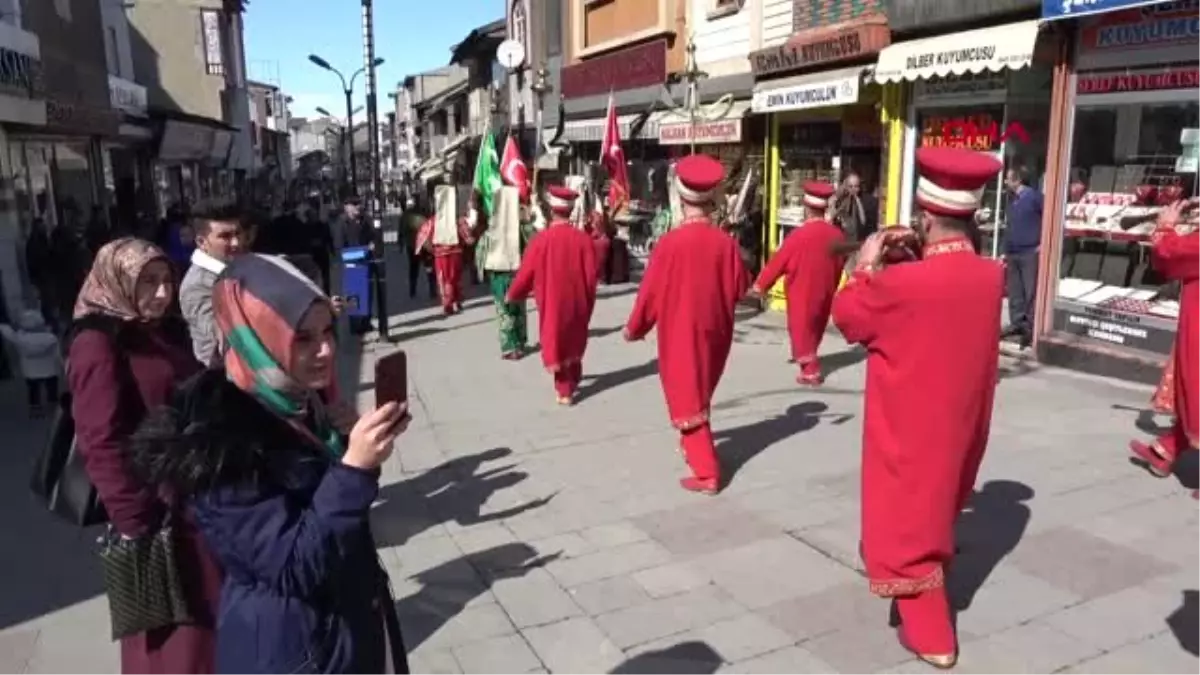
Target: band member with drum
932 330
811 275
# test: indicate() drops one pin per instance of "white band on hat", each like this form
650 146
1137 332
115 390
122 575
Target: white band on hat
692 196
965 201
814 202
559 204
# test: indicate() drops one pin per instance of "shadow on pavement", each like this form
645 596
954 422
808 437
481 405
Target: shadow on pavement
1187 467
598 333
1185 623
455 490
604 381
47 564
685 657
737 446
448 588
987 530
847 358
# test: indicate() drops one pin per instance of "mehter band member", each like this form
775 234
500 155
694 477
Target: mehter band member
932 331
692 284
559 269
445 234
1175 252
811 273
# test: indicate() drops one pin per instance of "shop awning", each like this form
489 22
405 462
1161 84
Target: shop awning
592 130
810 90
993 49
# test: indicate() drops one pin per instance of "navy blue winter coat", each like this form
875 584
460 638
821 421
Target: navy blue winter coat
304 590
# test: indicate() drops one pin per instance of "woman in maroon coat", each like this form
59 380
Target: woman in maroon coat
124 357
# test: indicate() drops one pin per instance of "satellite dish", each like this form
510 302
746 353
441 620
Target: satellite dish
510 54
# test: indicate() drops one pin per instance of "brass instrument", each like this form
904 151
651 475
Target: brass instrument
900 244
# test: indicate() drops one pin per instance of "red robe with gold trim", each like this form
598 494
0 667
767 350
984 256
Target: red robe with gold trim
932 332
597 227
1177 256
811 275
447 260
559 268
692 284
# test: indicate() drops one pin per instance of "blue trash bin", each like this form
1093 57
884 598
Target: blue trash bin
356 285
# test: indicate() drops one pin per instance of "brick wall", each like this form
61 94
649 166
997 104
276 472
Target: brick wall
816 13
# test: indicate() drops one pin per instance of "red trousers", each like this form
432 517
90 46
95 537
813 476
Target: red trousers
700 452
448 268
925 622
566 379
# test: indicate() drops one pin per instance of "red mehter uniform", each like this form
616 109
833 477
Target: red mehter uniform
932 331
1177 256
559 268
597 227
692 284
811 273
447 261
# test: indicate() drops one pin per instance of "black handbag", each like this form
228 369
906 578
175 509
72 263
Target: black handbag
142 581
59 476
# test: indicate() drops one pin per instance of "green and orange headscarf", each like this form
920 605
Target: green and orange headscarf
259 302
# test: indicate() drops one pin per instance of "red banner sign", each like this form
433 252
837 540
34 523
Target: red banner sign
974 132
720 131
1106 83
1160 25
641 66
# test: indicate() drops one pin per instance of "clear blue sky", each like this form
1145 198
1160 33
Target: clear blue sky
411 35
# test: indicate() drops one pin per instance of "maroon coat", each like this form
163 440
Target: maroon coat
110 396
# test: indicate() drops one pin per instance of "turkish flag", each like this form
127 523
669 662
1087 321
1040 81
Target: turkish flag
513 169
612 158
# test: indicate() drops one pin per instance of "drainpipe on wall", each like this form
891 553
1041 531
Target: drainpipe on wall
241 157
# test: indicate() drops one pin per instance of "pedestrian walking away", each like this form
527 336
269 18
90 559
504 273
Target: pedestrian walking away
559 269
811 269
501 245
444 235
691 287
932 329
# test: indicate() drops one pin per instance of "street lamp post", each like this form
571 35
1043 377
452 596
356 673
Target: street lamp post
540 88
348 90
375 203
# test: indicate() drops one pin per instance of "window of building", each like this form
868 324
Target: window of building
520 23
214 61
553 28
112 51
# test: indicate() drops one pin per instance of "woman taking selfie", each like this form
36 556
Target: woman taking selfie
124 356
281 494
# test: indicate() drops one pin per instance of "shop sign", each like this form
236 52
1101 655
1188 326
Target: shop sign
975 132
1066 9
984 85
819 94
994 49
128 97
1160 25
1115 328
820 47
20 74
641 66
719 131
182 141
1188 78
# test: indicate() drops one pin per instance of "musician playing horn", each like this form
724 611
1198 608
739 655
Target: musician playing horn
811 274
932 331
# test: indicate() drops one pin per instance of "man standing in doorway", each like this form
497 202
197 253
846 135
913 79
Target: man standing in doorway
1021 244
219 237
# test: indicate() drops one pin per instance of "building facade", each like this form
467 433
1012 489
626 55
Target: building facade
190 57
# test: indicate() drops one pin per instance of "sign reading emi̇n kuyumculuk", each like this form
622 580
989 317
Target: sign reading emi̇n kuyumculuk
840 91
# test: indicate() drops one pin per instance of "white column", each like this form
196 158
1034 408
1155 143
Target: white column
11 242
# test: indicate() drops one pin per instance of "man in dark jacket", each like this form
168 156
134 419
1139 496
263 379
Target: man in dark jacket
1021 243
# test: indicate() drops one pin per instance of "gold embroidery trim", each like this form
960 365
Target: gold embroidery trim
890 588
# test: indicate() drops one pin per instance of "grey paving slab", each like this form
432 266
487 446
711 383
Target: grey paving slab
507 521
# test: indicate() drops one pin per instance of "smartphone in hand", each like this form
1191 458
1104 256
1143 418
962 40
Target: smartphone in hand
391 379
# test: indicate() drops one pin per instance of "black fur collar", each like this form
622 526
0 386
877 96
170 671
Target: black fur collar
213 434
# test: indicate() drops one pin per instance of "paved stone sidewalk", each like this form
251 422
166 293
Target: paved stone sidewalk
523 537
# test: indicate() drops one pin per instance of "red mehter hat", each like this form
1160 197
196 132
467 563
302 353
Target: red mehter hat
697 178
953 179
561 199
817 194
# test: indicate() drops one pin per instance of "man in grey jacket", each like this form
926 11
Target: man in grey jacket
219 237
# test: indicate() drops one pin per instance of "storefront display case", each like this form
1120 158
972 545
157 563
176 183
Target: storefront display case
1004 113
